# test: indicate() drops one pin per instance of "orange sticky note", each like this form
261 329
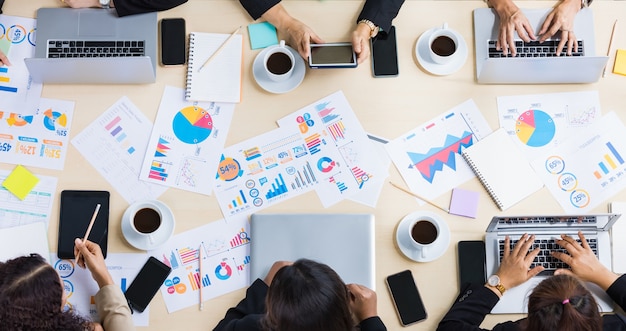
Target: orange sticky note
20 182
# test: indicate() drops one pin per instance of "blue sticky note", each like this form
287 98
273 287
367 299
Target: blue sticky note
262 35
464 203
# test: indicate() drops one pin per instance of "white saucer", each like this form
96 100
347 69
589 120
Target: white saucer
260 76
435 251
167 220
422 53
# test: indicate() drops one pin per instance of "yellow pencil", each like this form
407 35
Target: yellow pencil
419 197
219 49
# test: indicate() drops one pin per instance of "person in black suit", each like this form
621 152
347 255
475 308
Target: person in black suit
560 302
304 296
375 17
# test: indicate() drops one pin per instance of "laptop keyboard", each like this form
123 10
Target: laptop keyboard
535 49
86 48
549 220
544 258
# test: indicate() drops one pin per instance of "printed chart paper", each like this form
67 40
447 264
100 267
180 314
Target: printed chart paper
19 95
115 144
81 289
537 123
36 207
340 151
38 140
369 197
587 169
429 156
186 142
225 263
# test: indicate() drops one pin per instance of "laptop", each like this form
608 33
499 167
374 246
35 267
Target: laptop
546 228
94 46
345 242
538 67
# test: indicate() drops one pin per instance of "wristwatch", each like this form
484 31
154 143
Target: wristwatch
105 4
494 281
373 28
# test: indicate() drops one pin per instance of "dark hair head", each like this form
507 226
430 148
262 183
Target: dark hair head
562 303
31 297
307 296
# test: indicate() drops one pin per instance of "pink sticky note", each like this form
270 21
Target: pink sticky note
464 203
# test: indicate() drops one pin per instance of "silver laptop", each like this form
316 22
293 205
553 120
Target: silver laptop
345 242
94 46
539 67
546 228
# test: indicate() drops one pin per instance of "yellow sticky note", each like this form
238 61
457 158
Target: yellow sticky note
620 62
20 182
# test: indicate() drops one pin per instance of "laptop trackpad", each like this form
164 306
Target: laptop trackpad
96 24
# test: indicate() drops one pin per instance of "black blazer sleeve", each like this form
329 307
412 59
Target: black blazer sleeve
130 7
248 312
1 3
372 324
256 8
381 12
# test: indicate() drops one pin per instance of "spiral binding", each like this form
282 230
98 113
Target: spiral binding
189 67
483 181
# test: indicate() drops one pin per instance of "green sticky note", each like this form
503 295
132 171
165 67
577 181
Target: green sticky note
5 46
262 35
20 182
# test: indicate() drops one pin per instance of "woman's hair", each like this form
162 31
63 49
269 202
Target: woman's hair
307 296
562 303
31 297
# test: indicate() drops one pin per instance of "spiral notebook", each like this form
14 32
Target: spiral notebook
220 79
502 169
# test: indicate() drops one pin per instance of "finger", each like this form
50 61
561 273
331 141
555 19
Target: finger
583 240
570 43
521 31
570 244
546 24
526 246
507 246
510 42
559 47
529 30
534 271
532 255
520 243
563 257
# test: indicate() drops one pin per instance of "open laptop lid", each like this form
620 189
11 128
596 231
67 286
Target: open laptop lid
598 222
345 242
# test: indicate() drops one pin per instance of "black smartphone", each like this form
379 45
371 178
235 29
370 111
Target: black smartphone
385 54
173 41
406 297
472 262
77 209
145 286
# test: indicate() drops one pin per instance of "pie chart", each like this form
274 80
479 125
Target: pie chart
53 118
535 128
192 125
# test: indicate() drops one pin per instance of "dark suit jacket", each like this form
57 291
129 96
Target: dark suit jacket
130 7
249 311
476 301
1 2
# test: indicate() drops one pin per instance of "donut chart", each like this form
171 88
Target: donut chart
192 125
52 118
535 128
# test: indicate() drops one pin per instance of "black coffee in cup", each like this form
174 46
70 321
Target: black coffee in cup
443 46
147 220
279 63
424 232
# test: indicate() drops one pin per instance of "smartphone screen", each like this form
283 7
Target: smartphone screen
145 286
77 209
173 41
338 55
406 297
385 54
472 260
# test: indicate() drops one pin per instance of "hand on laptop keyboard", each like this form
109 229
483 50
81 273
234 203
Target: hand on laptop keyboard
515 267
561 18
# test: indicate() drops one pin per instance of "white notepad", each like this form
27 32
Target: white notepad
618 230
502 169
220 79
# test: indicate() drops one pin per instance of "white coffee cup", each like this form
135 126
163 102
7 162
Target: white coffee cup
423 234
279 63
443 45
147 220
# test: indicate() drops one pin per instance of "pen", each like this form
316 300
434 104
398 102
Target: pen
419 197
608 52
219 49
93 219
200 275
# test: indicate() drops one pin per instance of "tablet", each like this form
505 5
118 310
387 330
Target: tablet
77 209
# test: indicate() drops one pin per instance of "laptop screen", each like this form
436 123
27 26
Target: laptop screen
594 221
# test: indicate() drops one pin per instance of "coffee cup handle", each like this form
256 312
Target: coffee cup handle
282 43
151 238
444 26
423 252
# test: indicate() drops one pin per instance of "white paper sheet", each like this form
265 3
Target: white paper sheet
24 240
36 207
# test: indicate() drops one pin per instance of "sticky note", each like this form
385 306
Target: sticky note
5 46
20 182
464 203
620 62
262 35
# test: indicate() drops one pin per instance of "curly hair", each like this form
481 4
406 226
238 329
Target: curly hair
31 297
562 303
307 296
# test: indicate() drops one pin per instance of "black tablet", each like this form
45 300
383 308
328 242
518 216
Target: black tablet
77 209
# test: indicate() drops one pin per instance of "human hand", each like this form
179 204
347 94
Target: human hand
514 267
561 18
298 34
4 60
91 258
511 20
274 269
362 301
361 42
81 3
584 263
